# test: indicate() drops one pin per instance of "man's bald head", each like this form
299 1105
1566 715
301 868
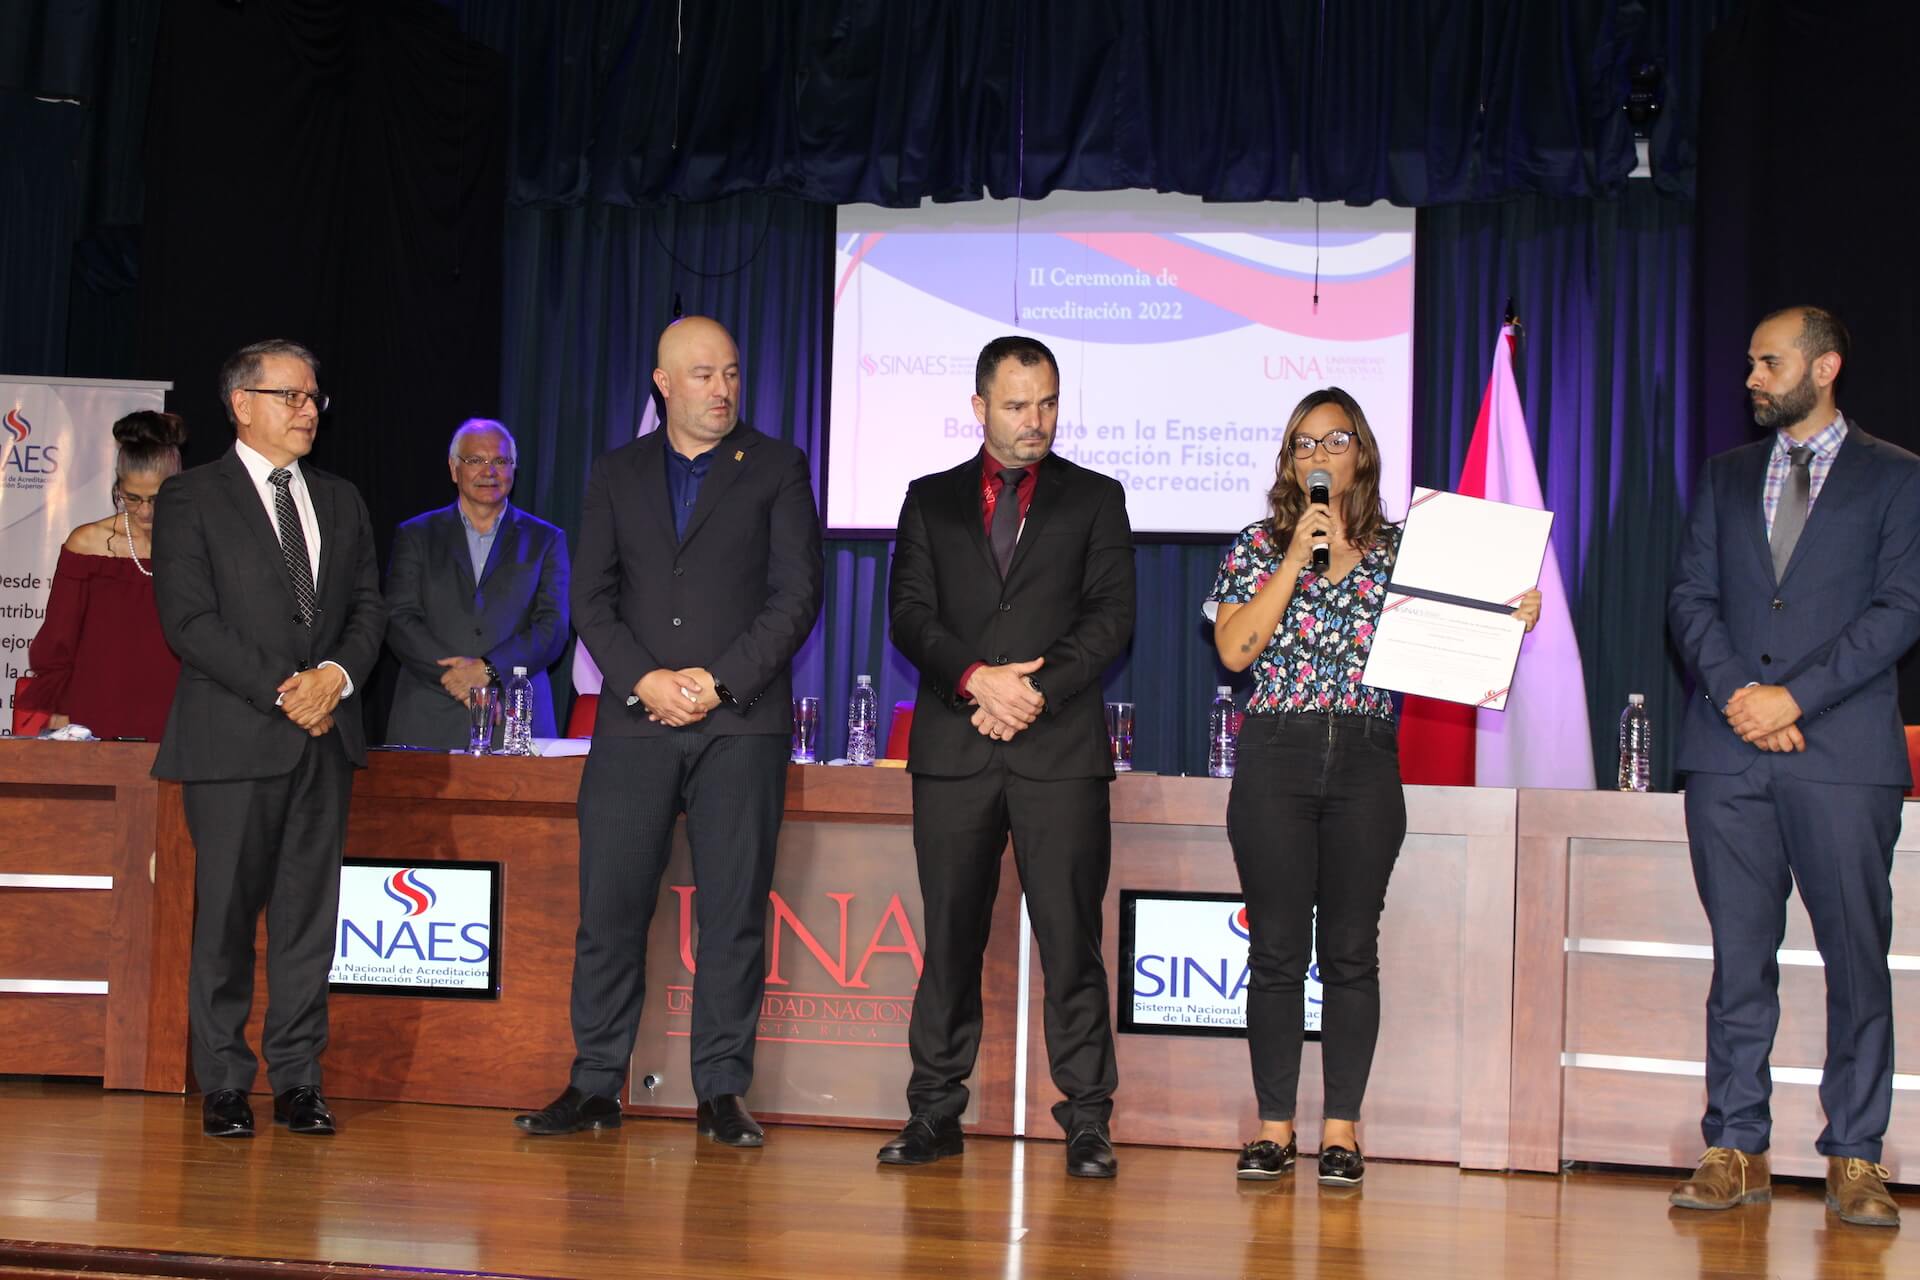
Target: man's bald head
699 378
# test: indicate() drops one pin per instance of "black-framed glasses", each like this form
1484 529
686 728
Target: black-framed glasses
294 398
1333 441
134 501
485 464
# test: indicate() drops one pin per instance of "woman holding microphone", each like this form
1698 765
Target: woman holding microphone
1316 815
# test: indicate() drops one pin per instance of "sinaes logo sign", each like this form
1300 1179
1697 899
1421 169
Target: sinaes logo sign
425 929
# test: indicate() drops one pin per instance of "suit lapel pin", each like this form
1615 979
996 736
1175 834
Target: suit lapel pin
739 455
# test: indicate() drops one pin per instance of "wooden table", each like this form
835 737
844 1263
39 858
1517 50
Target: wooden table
1544 962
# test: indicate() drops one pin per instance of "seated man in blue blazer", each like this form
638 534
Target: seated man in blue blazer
1797 590
475 589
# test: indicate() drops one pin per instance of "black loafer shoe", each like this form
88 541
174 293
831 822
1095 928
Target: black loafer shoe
1341 1167
927 1137
572 1111
1090 1152
224 1113
724 1118
302 1110
1261 1160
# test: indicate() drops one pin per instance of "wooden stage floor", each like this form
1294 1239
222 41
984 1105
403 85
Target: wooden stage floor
125 1185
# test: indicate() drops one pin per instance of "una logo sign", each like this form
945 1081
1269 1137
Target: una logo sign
413 927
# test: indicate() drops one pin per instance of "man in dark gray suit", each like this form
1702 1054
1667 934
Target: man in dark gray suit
1797 590
475 589
697 578
269 590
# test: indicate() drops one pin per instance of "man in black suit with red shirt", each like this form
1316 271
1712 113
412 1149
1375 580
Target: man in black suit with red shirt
1012 590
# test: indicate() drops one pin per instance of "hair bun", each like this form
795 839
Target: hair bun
152 429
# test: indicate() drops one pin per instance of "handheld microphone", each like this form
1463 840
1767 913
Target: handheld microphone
1319 489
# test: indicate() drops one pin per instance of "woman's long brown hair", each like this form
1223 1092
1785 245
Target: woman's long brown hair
1360 508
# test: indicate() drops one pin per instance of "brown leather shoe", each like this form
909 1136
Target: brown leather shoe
1724 1179
1857 1191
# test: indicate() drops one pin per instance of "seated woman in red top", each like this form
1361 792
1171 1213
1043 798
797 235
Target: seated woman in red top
100 659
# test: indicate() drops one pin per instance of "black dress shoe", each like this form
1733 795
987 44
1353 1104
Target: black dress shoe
1341 1167
224 1113
927 1137
572 1111
724 1118
1090 1152
1261 1160
303 1110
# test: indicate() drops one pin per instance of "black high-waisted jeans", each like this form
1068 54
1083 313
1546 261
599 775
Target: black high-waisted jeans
1316 817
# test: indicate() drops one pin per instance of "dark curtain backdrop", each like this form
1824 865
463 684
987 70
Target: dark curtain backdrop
330 172
1607 370
1810 197
843 101
74 81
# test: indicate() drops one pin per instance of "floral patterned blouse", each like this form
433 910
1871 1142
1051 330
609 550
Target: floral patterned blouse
1314 661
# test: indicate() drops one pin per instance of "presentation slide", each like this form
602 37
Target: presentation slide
1186 332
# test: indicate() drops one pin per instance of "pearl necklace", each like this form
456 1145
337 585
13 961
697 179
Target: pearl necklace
126 520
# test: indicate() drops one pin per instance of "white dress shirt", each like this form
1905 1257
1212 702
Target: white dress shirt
258 469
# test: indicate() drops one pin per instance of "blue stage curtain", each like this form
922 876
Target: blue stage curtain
588 290
1607 371
844 101
1603 287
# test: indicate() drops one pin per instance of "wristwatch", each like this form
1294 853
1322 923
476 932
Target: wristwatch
493 676
725 695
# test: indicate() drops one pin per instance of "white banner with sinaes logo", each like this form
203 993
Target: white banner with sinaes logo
56 472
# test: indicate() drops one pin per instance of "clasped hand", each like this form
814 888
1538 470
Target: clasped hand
462 674
677 698
309 697
1005 699
1766 716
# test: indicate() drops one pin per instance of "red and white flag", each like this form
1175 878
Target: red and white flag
1541 739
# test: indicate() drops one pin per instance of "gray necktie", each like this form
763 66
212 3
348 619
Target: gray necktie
1790 517
293 544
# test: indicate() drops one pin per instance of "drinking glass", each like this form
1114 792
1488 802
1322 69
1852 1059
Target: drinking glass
483 708
1120 735
806 730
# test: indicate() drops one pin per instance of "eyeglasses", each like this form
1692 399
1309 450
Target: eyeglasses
486 464
1334 442
134 501
292 397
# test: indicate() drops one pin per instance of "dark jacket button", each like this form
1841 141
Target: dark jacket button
676 622
1005 607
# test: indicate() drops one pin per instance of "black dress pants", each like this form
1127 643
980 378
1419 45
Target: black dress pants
272 844
733 791
1062 849
1316 817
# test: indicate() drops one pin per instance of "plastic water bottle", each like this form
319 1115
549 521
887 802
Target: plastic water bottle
1221 742
516 738
1636 745
863 721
